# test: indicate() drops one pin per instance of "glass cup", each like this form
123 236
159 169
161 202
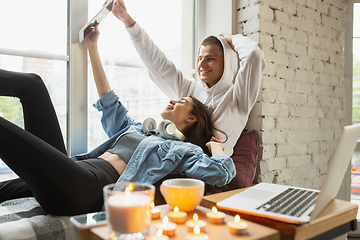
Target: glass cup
127 208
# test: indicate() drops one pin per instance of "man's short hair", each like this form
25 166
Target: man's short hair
212 40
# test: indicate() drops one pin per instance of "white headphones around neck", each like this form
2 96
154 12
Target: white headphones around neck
167 129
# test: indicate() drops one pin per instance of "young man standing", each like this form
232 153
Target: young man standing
228 87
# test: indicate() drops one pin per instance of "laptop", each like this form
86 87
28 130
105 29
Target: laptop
294 204
104 11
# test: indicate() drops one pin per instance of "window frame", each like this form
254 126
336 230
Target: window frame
348 85
76 79
215 17
348 63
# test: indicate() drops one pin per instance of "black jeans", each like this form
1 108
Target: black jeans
38 154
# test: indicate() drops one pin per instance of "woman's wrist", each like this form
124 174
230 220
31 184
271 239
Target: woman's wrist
128 21
93 49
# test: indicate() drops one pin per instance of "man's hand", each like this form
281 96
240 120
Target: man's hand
120 12
228 37
214 139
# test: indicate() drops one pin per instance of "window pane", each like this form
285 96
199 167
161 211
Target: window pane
138 94
356 80
355 173
38 25
167 23
171 26
356 22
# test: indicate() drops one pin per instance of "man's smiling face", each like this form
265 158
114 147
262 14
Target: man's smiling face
210 64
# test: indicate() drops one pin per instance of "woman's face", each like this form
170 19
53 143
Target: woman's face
179 112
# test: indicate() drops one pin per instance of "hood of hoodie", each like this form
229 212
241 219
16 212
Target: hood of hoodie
231 65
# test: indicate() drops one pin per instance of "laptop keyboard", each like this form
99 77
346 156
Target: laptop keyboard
292 202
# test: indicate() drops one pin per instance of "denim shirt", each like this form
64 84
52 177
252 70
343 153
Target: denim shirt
155 157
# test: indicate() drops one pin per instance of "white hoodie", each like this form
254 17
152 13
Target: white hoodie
230 100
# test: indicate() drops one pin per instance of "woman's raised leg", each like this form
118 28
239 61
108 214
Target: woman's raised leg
39 114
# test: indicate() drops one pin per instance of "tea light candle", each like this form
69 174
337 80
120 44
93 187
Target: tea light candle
159 236
167 227
177 216
197 235
237 227
195 222
155 211
129 213
215 217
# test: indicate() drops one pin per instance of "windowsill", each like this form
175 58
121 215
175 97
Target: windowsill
7 176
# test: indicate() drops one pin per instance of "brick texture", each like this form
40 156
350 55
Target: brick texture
300 111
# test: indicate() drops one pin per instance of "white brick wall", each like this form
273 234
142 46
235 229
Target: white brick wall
301 105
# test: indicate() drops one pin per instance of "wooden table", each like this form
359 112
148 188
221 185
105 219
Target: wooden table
215 231
338 218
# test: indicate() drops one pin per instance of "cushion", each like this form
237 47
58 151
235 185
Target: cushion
245 157
24 218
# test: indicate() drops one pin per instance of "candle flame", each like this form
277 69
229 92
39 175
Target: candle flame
197 229
237 218
159 232
129 188
165 219
152 204
214 209
195 217
176 209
